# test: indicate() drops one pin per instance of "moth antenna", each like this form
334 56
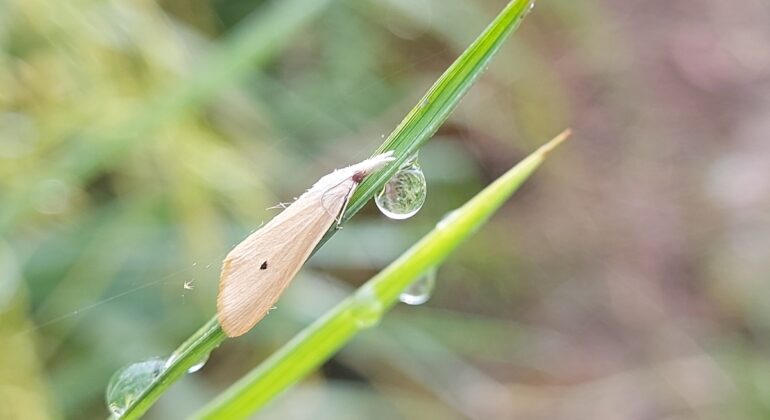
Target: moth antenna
326 209
323 205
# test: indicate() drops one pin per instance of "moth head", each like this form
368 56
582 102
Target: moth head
371 165
358 177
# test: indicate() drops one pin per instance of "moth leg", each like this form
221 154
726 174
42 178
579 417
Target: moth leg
278 206
338 225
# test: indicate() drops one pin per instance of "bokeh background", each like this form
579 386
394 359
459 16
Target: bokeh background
627 280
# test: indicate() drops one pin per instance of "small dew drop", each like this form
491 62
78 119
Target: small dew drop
421 290
367 309
129 382
192 369
404 194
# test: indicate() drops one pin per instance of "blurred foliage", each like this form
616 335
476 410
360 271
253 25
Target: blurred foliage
628 280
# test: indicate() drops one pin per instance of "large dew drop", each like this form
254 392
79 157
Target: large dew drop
404 194
130 381
420 291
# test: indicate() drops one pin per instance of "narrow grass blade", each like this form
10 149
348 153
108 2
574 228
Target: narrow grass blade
319 341
434 108
416 128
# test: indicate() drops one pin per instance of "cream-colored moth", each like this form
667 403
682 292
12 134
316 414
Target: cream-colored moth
257 270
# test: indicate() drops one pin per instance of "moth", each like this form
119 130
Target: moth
257 270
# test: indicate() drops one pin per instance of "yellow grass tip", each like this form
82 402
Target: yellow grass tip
555 142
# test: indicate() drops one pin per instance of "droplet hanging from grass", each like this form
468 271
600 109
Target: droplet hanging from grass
421 290
192 369
130 381
367 310
404 194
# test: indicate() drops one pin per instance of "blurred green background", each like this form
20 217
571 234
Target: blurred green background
140 140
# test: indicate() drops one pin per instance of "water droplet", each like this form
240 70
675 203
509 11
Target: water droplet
420 291
531 6
192 369
367 309
129 382
404 194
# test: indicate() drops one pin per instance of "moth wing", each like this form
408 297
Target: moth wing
256 271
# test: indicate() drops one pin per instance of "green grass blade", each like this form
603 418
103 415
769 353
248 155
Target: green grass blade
319 341
421 122
194 349
434 108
